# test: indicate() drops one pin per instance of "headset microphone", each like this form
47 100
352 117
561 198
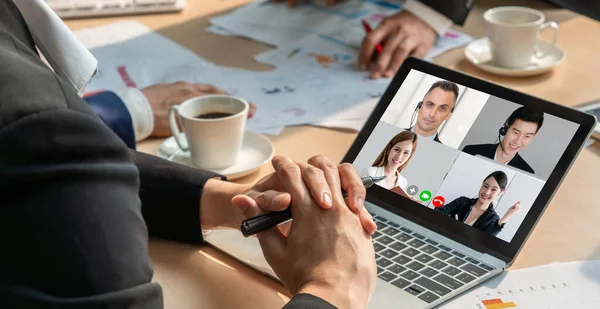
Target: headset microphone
412 119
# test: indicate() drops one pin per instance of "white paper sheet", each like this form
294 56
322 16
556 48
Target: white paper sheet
574 285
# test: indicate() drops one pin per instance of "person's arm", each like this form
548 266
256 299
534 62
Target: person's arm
455 10
452 208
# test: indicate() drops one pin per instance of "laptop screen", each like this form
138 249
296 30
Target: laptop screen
463 153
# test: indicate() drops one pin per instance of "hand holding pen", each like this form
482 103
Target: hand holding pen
269 220
320 178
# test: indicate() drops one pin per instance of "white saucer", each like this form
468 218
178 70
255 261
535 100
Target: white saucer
478 53
256 151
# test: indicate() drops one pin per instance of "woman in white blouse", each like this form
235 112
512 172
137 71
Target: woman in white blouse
392 159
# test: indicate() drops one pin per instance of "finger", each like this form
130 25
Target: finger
370 41
405 48
243 203
290 177
270 200
314 179
273 243
205 88
331 174
251 110
366 220
352 184
383 60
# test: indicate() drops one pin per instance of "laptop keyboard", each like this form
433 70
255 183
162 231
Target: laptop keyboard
419 265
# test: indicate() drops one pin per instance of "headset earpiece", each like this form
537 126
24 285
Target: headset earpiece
420 104
503 130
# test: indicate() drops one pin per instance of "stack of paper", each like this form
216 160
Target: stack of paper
316 80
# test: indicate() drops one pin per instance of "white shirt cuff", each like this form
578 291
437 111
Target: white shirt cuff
140 110
438 22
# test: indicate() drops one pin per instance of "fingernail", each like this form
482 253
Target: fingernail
363 67
375 75
327 198
389 73
360 204
280 199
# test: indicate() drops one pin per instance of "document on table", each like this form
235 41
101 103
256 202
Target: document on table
574 285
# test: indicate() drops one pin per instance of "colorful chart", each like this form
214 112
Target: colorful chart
497 303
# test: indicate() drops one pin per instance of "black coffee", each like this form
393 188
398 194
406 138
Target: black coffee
213 115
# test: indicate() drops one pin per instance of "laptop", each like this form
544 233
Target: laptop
471 186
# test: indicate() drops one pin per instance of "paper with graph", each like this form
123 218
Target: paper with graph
574 285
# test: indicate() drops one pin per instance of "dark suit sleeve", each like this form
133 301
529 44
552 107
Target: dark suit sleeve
71 226
493 227
456 10
302 301
170 195
452 208
589 8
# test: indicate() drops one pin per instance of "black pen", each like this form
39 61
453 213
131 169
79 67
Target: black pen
266 221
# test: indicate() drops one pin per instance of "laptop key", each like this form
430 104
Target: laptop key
383 262
451 271
396 269
411 252
414 265
401 283
389 253
486 267
416 243
405 230
380 225
390 231
378 247
428 297
456 261
419 236
385 240
431 242
445 248
409 275
472 260
437 264
460 255
402 259
464 277
392 224
432 286
398 246
424 258
387 276
447 281
415 290
403 237
428 272
474 270
429 249
442 255
380 270
376 234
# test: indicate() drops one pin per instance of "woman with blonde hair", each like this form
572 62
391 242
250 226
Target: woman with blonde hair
392 160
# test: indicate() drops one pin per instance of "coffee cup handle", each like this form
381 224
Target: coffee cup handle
174 111
544 26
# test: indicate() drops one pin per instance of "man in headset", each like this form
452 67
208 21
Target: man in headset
436 107
519 130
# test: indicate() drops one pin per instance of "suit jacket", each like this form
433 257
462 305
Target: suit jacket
457 10
489 151
77 204
461 208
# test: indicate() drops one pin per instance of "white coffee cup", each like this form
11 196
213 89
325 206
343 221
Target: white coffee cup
513 34
213 142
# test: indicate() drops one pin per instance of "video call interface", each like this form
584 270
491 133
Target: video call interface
475 158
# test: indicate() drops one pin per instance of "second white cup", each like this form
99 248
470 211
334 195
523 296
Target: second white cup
214 127
513 34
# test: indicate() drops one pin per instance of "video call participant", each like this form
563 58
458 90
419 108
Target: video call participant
479 212
519 130
392 160
436 107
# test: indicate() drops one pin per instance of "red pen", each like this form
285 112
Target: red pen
368 29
